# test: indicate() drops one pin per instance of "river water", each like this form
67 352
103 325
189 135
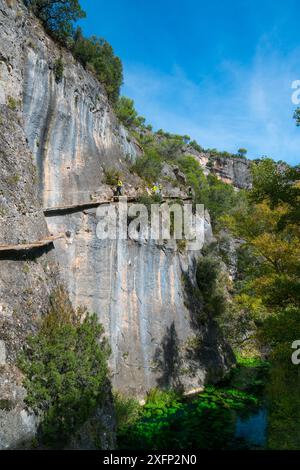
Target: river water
252 429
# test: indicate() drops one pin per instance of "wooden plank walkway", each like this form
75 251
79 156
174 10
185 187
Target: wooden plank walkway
69 209
30 246
56 210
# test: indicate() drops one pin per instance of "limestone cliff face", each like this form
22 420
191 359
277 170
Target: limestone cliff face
138 292
25 281
232 170
26 278
69 124
136 288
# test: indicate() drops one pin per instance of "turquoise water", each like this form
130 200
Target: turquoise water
253 429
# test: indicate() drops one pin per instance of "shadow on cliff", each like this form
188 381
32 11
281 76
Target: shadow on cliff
205 301
193 299
23 255
167 358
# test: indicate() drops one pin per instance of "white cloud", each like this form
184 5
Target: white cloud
253 110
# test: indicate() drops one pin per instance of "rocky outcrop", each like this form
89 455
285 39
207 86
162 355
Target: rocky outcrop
230 168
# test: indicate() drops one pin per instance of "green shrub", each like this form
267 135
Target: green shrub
57 16
196 146
170 146
148 199
6 405
148 166
127 113
127 409
97 55
218 197
12 103
13 180
65 368
221 198
242 152
195 178
210 286
219 154
111 176
3 211
181 245
58 70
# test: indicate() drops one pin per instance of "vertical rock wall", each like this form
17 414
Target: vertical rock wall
57 138
136 289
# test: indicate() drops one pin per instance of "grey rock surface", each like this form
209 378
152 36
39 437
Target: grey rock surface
137 291
233 170
25 281
230 169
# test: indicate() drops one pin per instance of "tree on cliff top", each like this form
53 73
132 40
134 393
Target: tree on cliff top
127 113
97 55
242 152
57 16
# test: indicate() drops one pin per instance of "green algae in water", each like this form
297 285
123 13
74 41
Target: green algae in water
208 421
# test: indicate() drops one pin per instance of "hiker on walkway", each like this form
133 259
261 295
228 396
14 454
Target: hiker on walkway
119 187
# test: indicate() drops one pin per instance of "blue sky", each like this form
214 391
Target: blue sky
218 71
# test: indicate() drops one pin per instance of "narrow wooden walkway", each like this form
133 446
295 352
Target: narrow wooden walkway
69 209
30 246
57 210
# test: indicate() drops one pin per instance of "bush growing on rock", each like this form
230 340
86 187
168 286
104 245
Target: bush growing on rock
210 287
58 70
242 152
97 55
65 368
149 165
12 103
127 113
57 16
111 176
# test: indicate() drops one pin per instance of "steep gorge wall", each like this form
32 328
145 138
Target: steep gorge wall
27 279
136 289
